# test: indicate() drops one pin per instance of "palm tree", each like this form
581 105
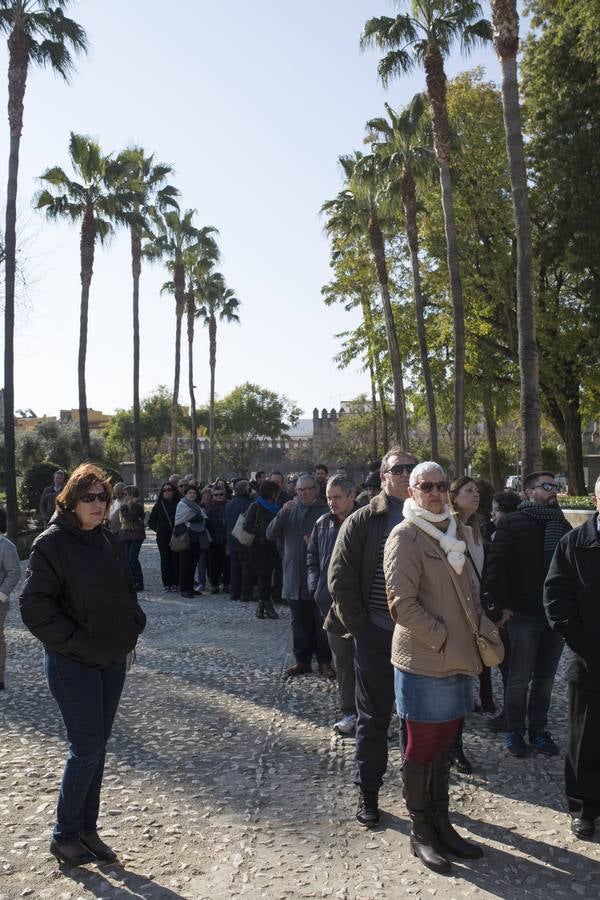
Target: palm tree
176 235
505 22
356 210
99 199
39 33
217 301
151 195
425 38
404 148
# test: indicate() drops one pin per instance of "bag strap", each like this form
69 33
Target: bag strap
171 523
472 561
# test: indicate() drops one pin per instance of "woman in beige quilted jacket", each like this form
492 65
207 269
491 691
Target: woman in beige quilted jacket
434 655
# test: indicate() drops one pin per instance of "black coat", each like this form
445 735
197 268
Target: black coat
162 520
257 521
79 597
572 600
515 568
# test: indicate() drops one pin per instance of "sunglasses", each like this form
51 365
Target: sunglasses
89 498
405 469
167 490
428 486
547 485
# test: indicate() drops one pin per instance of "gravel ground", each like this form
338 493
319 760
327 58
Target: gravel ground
224 780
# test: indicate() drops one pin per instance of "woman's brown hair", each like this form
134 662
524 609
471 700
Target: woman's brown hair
79 484
474 520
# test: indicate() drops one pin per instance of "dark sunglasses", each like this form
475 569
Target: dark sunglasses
547 485
89 498
167 490
404 469
428 486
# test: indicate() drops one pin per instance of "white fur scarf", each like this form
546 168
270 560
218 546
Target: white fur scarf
423 519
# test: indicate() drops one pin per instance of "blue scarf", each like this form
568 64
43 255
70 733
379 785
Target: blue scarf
266 504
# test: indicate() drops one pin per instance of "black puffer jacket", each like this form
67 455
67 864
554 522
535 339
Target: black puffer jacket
79 597
571 598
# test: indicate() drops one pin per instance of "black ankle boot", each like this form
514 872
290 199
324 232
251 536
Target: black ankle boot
367 812
270 611
260 610
423 840
448 838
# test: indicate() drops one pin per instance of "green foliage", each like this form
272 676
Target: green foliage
480 464
55 441
584 502
33 483
30 449
155 423
161 464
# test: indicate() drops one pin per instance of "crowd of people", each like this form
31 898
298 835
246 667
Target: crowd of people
406 591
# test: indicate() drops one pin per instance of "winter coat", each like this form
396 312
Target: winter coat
515 568
572 600
295 528
216 523
10 568
79 597
233 508
353 565
162 520
132 522
257 520
432 636
318 556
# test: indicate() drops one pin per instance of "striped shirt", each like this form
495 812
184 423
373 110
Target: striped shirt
379 613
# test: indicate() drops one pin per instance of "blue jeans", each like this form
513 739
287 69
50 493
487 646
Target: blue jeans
88 697
132 548
535 652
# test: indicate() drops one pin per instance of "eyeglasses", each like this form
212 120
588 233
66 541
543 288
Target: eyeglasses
402 469
547 485
89 498
428 486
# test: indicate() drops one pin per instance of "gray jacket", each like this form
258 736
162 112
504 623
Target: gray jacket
295 528
10 568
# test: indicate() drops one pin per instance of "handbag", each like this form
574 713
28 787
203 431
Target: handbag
487 637
240 533
180 540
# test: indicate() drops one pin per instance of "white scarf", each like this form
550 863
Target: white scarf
423 519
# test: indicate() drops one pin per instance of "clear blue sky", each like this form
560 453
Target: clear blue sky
252 103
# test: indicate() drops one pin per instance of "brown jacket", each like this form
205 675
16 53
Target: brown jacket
431 636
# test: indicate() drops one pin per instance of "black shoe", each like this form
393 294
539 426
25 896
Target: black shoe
1 685
92 841
367 812
498 723
582 828
270 611
71 853
460 762
260 610
215 591
246 599
543 743
447 838
417 780
234 597
187 594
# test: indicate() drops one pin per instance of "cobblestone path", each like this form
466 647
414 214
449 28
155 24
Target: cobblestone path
224 781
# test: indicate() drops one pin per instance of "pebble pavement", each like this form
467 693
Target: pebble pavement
224 780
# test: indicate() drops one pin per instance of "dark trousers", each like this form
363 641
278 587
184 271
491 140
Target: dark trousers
374 704
188 560
88 697
218 565
132 549
241 573
535 652
264 558
307 631
277 577
169 563
582 763
342 649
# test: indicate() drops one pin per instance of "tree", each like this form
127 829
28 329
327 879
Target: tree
99 199
38 33
505 21
356 211
247 416
217 301
424 38
155 420
150 196
404 148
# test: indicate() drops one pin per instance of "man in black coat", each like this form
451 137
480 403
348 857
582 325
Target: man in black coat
516 567
571 599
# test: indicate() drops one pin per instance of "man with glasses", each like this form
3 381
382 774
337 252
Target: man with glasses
516 567
357 586
294 524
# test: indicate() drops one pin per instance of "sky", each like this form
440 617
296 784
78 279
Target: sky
252 103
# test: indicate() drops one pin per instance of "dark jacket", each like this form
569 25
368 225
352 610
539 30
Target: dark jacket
162 519
215 523
79 596
318 555
295 527
515 568
132 522
257 521
572 600
353 565
233 508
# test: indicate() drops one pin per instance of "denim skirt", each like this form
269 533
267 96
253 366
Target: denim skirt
420 698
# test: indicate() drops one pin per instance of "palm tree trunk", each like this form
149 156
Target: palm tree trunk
436 89
374 446
212 339
378 250
18 46
194 424
87 245
370 332
506 42
409 197
136 266
179 283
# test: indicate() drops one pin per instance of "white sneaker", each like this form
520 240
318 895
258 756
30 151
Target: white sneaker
346 725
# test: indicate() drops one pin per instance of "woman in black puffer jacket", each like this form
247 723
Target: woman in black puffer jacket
79 600
162 521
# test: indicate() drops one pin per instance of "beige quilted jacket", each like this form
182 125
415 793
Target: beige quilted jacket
431 636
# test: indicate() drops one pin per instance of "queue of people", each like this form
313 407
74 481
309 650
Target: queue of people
396 598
